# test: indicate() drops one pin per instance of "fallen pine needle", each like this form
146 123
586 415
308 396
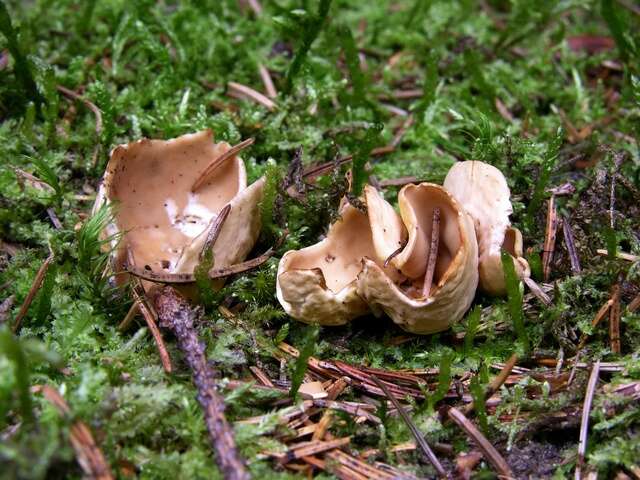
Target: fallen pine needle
496 383
35 286
237 90
571 246
550 238
424 446
150 317
219 161
267 81
88 454
488 450
614 320
584 424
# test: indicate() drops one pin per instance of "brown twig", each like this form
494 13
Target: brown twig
614 319
178 316
150 317
433 253
35 287
267 81
421 441
237 90
549 239
88 454
261 376
488 450
495 384
584 424
55 221
219 161
570 244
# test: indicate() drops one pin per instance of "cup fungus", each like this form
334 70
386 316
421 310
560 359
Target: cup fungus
168 195
317 284
438 264
483 191
422 267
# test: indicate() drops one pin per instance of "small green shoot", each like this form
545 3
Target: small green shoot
361 157
548 163
353 64
11 347
514 299
309 28
444 382
309 345
473 322
479 402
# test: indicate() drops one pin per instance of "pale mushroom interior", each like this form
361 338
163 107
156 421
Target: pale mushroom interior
417 204
151 182
339 256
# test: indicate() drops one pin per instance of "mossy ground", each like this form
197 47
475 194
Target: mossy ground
498 79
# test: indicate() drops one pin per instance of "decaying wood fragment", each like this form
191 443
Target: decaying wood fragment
614 319
550 238
177 315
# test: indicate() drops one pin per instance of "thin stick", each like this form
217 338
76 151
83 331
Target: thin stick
488 450
433 253
35 286
267 81
550 238
584 424
398 182
571 247
214 230
178 316
88 454
219 161
614 320
237 90
150 317
421 441
495 384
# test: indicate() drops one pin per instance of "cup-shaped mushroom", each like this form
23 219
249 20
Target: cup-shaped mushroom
483 191
161 220
439 263
317 284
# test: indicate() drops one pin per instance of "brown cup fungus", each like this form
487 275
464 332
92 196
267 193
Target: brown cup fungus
162 220
421 267
317 284
483 191
438 264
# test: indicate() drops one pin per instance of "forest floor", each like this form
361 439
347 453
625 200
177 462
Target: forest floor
547 91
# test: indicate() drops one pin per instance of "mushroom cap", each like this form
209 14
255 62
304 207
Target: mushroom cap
317 284
483 191
161 220
456 272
